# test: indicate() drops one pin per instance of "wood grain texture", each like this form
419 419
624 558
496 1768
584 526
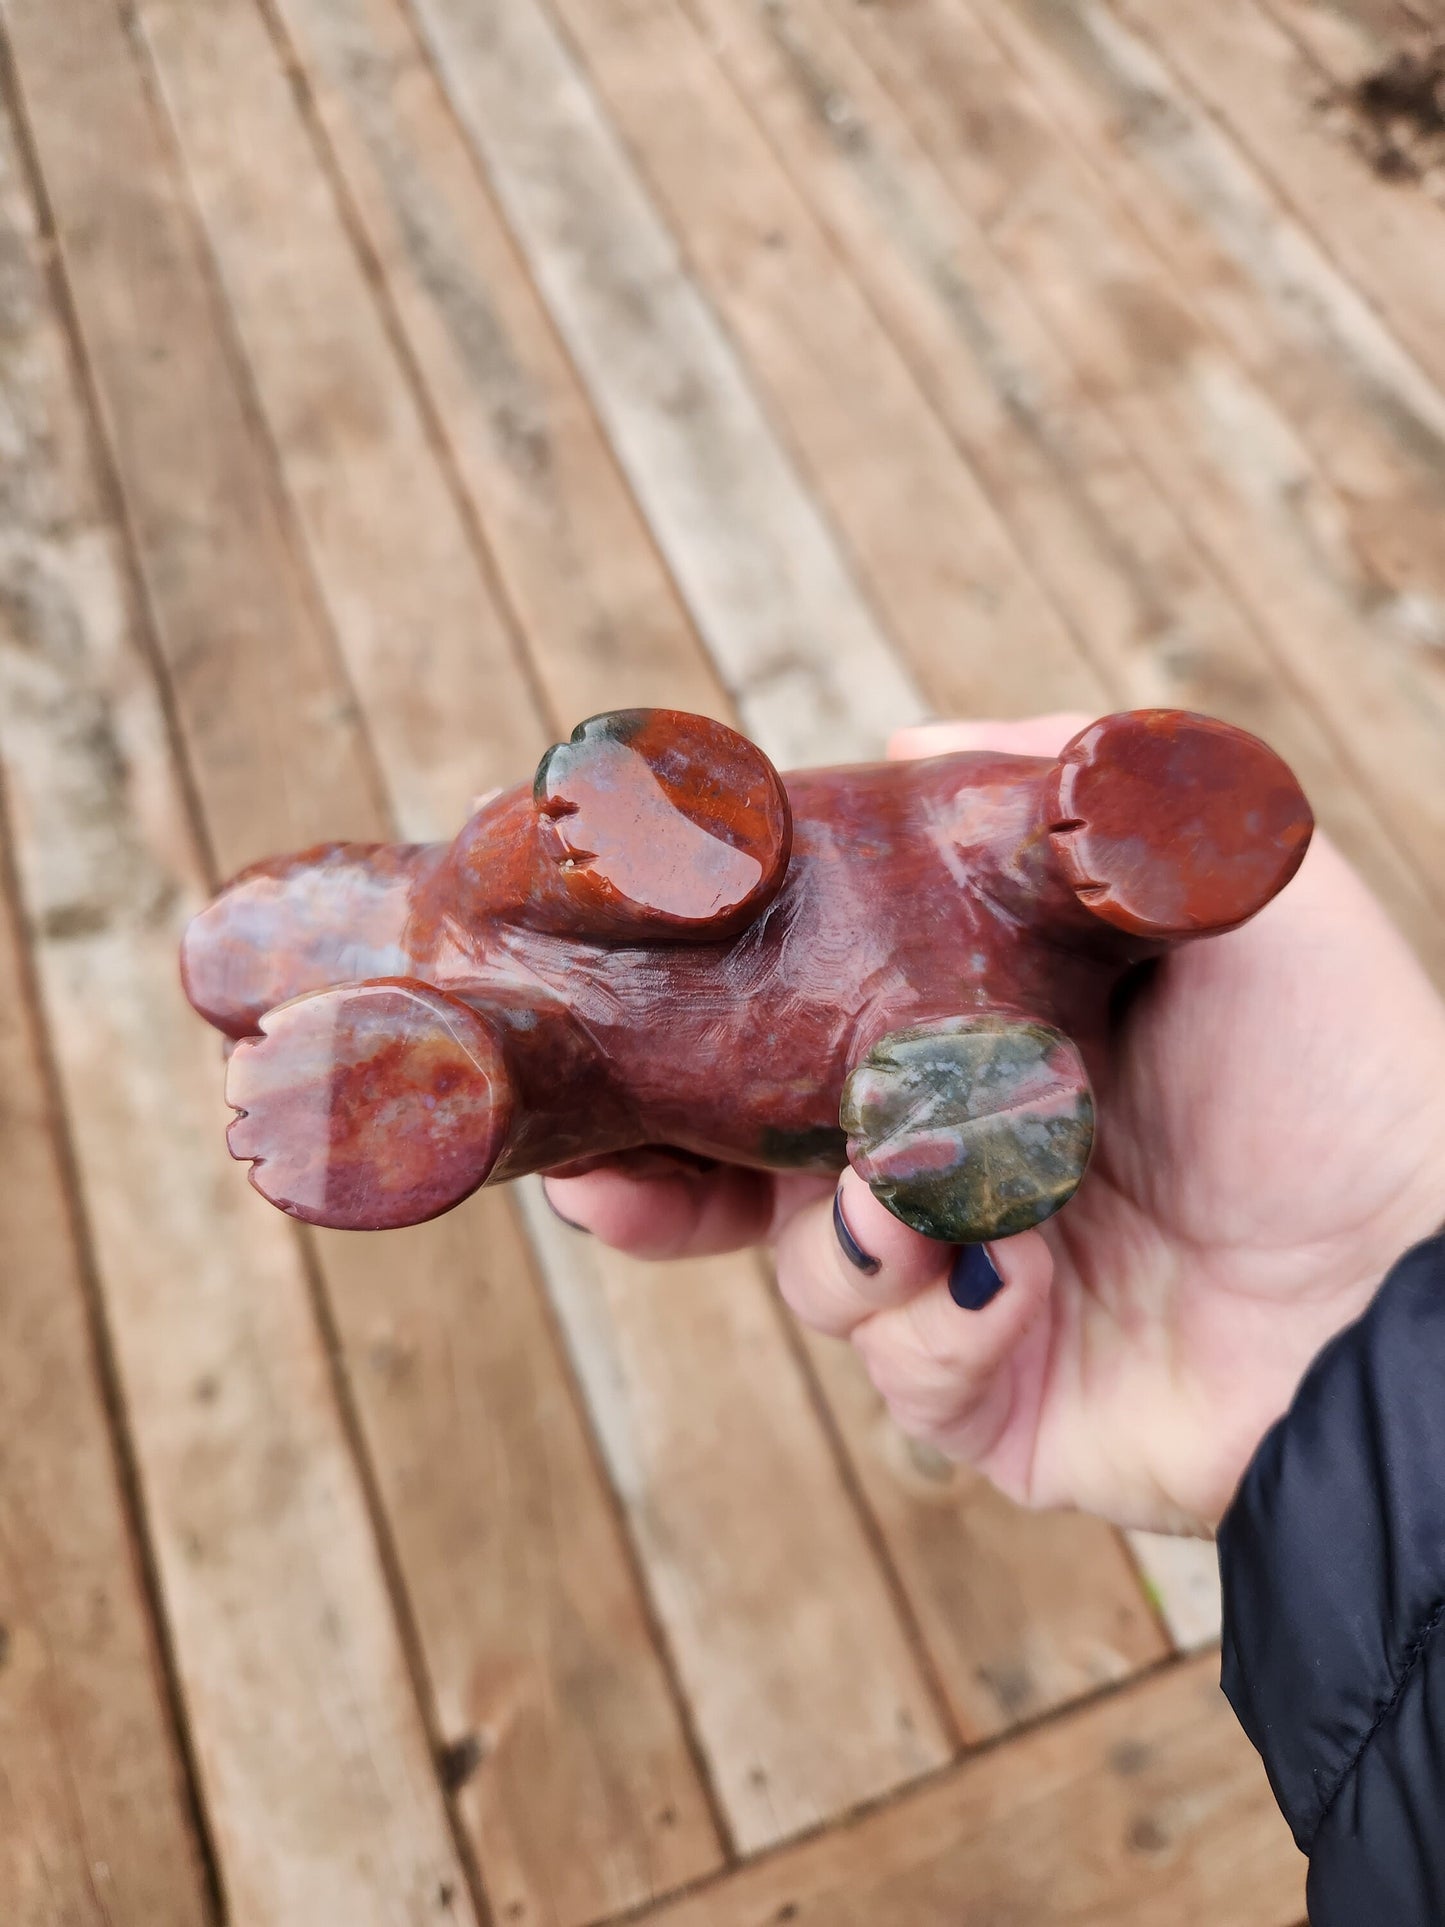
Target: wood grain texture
95 1825
1385 235
557 356
405 594
1020 1612
1148 612
684 1365
926 541
605 625
1149 1807
222 580
561 1740
752 554
314 1766
612 1769
1371 418
1214 442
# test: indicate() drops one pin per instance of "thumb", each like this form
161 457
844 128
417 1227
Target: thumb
961 1362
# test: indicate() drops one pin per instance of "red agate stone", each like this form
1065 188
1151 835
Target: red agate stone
662 949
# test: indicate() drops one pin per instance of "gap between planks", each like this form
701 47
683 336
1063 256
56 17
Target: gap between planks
132 1817
1124 1732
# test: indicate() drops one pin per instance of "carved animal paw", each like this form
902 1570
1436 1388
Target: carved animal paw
1172 825
369 1106
664 824
970 1128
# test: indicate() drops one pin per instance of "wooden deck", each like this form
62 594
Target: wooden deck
384 386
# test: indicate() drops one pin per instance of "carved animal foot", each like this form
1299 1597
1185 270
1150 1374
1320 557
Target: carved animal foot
663 825
970 1128
369 1106
1169 825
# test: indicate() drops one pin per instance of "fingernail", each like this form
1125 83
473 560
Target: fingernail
561 1217
973 1278
852 1250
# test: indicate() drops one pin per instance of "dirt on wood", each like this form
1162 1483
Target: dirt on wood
1395 115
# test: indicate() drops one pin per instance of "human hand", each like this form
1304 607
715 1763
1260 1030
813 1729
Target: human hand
1271 1138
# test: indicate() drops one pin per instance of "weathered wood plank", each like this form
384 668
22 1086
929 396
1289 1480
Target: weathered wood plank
1089 515
563 1744
926 541
315 1768
94 1827
1387 236
1372 417
1161 623
1020 1612
1373 420
398 150
1149 1807
1212 440
684 1365
576 561
1081 510
312 1761
572 1713
751 553
1183 1576
405 595
586 1706
221 578
94 1816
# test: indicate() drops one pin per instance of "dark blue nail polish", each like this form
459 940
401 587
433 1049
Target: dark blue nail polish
571 1223
973 1279
852 1250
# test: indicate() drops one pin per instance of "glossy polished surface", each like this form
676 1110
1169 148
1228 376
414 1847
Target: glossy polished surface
659 947
1222 804
685 832
377 1105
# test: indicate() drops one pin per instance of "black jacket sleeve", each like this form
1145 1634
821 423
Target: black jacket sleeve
1333 1563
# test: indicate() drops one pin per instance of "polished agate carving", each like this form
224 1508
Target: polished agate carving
662 947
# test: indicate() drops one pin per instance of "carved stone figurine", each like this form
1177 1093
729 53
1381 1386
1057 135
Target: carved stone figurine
660 942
